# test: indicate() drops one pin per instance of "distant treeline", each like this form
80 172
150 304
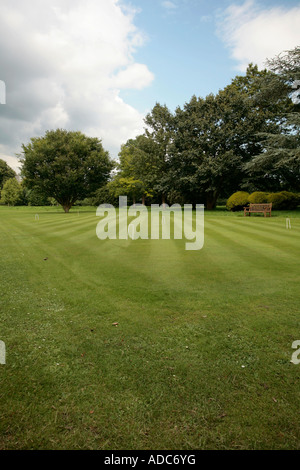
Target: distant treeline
245 138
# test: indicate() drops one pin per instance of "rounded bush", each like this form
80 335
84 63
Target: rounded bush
237 201
284 200
258 197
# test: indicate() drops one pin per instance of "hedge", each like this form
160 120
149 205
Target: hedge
238 201
283 200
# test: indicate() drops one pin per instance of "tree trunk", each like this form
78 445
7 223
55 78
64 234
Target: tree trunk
211 201
143 199
66 208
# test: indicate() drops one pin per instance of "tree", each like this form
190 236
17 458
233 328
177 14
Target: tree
138 161
65 165
5 173
286 65
12 192
160 132
127 187
278 166
35 198
215 137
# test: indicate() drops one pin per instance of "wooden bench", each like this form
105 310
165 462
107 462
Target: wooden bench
263 208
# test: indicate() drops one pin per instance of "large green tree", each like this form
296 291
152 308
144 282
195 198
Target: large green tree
160 132
278 166
127 186
12 193
65 165
138 160
215 136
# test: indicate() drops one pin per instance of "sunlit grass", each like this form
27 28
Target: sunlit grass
200 358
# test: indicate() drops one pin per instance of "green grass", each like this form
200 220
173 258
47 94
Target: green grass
201 355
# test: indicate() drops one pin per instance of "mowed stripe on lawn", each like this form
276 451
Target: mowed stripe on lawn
201 354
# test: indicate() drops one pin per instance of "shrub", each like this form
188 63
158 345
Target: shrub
12 193
88 201
258 197
284 200
104 195
221 202
175 197
36 198
238 201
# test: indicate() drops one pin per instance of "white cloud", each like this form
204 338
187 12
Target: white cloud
64 63
169 5
254 34
12 162
134 76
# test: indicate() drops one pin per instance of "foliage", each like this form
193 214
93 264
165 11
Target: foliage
175 197
105 195
216 136
35 198
12 192
129 186
6 173
284 200
246 137
278 166
212 146
286 66
65 165
237 201
138 161
258 197
87 201
160 129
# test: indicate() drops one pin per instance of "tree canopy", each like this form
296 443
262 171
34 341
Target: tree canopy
5 173
65 165
12 192
278 165
245 137
216 136
214 146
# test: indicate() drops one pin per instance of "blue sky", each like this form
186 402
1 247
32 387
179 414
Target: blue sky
100 66
185 49
182 50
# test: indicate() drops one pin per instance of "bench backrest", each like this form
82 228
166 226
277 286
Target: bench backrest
260 207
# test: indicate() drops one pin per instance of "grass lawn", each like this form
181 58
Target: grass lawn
201 356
